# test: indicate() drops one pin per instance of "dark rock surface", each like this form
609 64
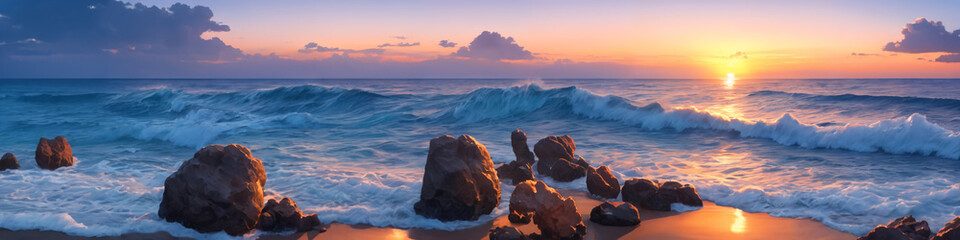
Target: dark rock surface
219 189
564 170
603 183
522 218
949 231
905 228
652 195
518 139
516 171
554 215
551 149
53 154
507 233
9 161
285 215
459 182
615 214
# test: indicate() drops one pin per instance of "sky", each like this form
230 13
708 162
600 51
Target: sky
479 39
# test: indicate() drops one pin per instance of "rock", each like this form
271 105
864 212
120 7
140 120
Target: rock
615 214
507 233
551 149
219 189
554 215
9 161
949 231
651 195
522 218
566 171
459 182
905 228
311 223
601 182
285 215
516 171
53 154
520 148
637 191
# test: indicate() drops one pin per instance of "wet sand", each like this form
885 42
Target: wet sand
710 222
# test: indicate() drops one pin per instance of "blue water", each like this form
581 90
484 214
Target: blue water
850 153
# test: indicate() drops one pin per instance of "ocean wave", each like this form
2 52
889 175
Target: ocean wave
912 134
946 103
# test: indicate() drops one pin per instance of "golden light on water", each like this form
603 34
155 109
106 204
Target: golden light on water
731 80
739 222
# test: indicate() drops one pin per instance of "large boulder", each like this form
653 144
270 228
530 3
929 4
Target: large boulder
554 215
518 139
949 231
652 195
285 215
219 189
551 149
615 214
603 183
53 154
459 182
517 171
905 228
9 161
564 170
507 233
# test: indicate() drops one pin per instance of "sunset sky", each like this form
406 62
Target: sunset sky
551 39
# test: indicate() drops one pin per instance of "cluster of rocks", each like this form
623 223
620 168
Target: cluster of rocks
221 189
652 195
907 228
50 155
460 183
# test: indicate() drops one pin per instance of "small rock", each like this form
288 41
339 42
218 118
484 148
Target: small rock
615 214
507 233
603 183
554 215
551 149
949 231
516 171
9 161
566 171
905 228
311 223
53 154
459 181
518 139
283 216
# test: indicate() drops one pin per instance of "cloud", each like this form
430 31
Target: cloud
864 54
949 58
447 44
44 28
400 37
402 44
492 46
738 55
314 47
923 36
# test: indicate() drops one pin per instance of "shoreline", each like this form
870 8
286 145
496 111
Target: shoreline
710 222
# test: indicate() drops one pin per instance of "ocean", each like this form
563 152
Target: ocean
851 153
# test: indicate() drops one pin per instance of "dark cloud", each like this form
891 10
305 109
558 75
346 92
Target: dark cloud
492 46
447 44
949 58
923 36
402 44
400 37
314 47
43 28
738 55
